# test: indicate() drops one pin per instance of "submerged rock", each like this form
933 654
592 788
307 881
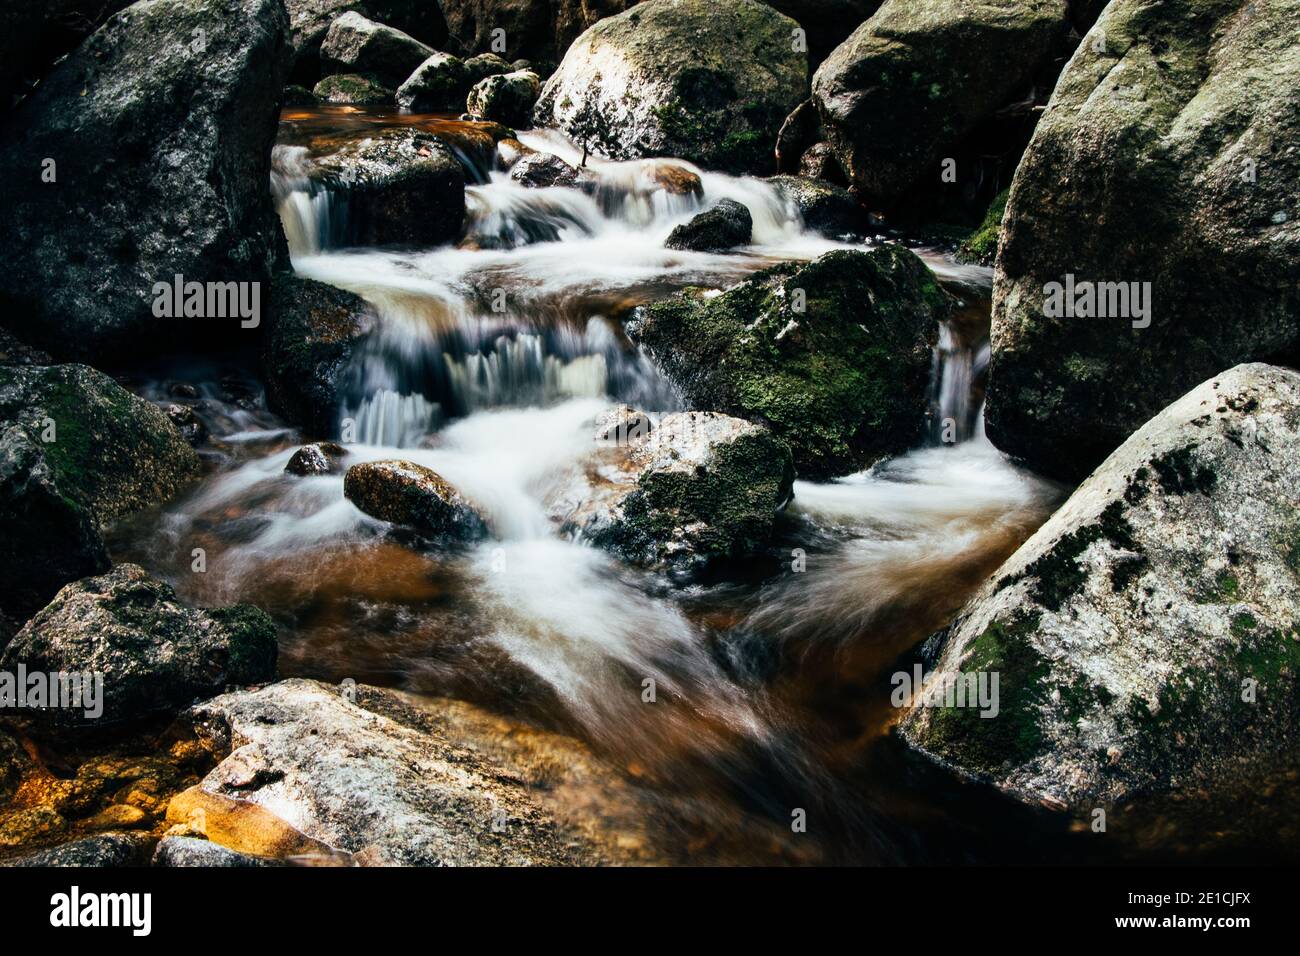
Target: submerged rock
438 85
355 44
834 355
308 349
401 186
77 452
352 89
822 206
1147 637
318 458
680 491
379 781
414 496
722 227
671 78
920 74
136 160
154 653
505 98
1167 158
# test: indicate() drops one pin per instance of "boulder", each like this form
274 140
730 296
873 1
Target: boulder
401 186
159 127
1147 637
538 29
825 207
910 82
479 68
1167 159
540 170
378 780
413 496
506 98
818 162
705 80
309 22
77 452
355 44
318 458
842 380
155 654
352 89
438 85
680 491
722 227
308 348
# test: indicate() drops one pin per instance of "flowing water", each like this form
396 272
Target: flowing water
489 361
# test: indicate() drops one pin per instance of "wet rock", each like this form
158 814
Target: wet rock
1148 635
414 496
818 162
175 145
77 452
308 349
1157 161
295 95
800 130
903 89
31 825
538 29
154 653
319 458
352 89
376 780
843 382
310 20
192 851
682 490
722 227
505 98
670 79
438 85
401 186
823 206
981 246
237 825
540 170
510 151
101 850
355 44
676 180
479 68
187 423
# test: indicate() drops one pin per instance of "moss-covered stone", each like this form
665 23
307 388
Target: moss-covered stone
981 246
353 89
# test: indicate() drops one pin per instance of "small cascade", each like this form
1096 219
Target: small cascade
314 218
958 368
391 419
504 215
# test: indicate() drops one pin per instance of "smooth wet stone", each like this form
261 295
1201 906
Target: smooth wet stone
541 170
187 422
1147 637
355 44
670 79
480 67
153 653
505 98
825 207
722 227
77 452
844 381
192 851
438 85
413 496
102 850
318 458
352 89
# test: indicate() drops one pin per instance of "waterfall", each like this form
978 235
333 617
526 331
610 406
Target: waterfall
957 368
394 420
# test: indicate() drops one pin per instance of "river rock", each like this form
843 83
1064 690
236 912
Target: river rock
722 227
402 186
506 98
162 153
541 170
911 81
1148 635
193 851
308 348
77 452
101 850
318 458
355 44
480 67
538 29
843 382
378 780
825 207
156 654
673 78
680 491
352 89
438 85
309 22
414 496
1168 159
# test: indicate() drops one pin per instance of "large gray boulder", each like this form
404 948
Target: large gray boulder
77 452
506 98
834 355
910 82
355 44
155 654
309 22
1166 156
438 85
159 127
706 80
1147 637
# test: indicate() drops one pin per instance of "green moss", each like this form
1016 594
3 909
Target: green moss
1179 473
1058 574
981 246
